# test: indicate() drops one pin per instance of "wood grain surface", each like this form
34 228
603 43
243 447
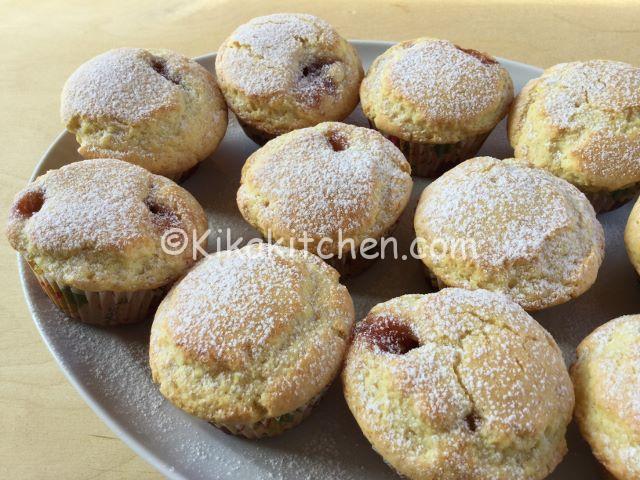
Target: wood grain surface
46 430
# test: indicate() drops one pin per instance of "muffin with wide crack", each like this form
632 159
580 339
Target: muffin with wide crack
154 108
436 101
581 122
251 338
459 384
94 233
505 226
287 71
333 189
606 377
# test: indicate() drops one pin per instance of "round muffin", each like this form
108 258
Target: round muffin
250 338
508 227
436 101
96 233
606 377
287 71
459 384
632 237
154 108
319 187
581 122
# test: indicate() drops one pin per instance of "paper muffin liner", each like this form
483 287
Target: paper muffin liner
258 136
349 265
433 159
99 308
606 201
270 427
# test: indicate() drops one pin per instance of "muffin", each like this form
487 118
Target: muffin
251 338
436 101
459 384
154 108
508 227
287 71
581 122
334 189
606 377
96 234
632 237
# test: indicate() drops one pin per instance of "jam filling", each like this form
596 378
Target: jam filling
387 334
163 217
160 66
479 55
337 140
31 202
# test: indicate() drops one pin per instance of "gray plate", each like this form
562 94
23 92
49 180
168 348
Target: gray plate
109 368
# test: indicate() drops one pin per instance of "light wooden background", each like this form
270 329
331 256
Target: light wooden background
46 431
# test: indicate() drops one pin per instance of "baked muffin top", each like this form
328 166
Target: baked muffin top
505 226
428 90
155 108
581 121
98 224
286 71
632 236
459 384
323 180
606 376
251 334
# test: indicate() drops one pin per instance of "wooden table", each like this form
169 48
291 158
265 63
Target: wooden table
46 430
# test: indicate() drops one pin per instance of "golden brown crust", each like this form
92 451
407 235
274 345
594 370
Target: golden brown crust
581 121
330 181
459 384
432 91
606 376
98 225
154 108
504 226
287 71
251 334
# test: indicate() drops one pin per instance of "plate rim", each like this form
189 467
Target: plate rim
139 447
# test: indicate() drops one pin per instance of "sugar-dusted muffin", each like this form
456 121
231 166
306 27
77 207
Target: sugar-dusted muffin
581 122
154 108
319 187
459 384
632 236
96 233
436 101
504 226
287 71
250 338
606 377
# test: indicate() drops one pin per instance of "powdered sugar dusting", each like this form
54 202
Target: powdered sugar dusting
325 179
268 54
446 81
483 368
121 84
93 205
507 210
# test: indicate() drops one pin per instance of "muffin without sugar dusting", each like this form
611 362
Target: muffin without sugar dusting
92 233
504 226
250 338
154 108
287 71
581 122
606 376
459 384
329 182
